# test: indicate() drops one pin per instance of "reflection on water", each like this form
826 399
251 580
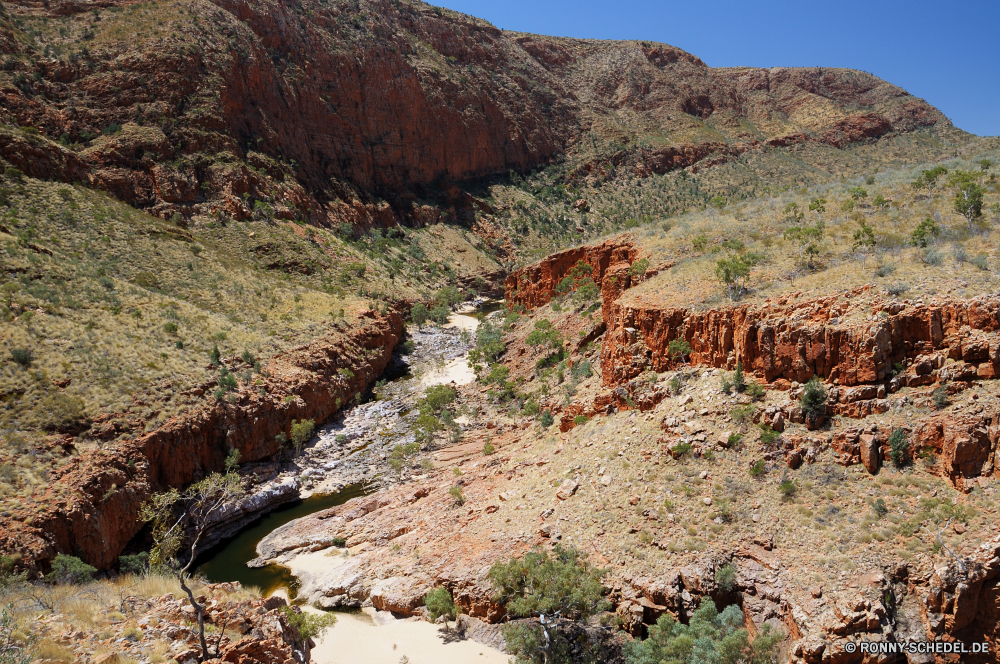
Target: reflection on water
227 561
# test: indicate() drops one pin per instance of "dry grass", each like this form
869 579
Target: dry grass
94 606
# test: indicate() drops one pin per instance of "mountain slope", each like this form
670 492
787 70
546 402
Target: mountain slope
367 111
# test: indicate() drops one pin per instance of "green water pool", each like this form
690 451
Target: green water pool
227 561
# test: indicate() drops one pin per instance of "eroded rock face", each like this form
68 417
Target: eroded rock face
385 98
796 340
534 285
109 486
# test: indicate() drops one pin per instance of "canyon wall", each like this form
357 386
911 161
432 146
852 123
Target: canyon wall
365 111
534 285
90 506
793 340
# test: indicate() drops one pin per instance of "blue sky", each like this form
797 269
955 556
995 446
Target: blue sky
947 53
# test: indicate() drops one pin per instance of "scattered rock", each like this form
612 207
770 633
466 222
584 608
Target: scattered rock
566 489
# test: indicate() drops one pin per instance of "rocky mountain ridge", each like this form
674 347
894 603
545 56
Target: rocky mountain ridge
368 112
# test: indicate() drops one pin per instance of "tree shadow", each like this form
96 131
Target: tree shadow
451 635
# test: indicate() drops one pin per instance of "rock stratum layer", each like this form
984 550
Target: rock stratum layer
90 506
865 344
356 111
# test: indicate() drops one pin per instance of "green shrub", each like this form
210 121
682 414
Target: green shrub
456 493
488 448
739 380
580 419
735 440
879 508
675 385
899 448
248 358
440 603
725 578
439 314
743 414
813 401
134 564
559 584
939 397
339 542
758 469
682 449
678 349
301 432
755 390
310 625
439 396
768 435
70 569
709 636
170 327
725 384
530 408
215 357
787 488
419 314
22 356
546 420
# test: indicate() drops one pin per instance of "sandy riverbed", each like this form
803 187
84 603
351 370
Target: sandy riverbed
357 639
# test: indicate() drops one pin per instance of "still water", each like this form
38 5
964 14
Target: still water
227 561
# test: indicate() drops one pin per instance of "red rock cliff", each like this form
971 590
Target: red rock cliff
534 285
90 508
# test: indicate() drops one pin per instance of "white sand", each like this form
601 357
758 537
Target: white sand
457 371
355 639
462 322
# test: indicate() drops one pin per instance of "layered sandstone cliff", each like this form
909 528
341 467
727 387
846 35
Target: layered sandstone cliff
91 505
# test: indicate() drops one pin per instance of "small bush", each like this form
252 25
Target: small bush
134 564
440 603
735 440
682 449
580 419
678 349
488 448
787 488
755 390
814 398
302 431
675 385
743 414
931 256
456 493
758 469
897 289
879 508
22 356
885 270
939 398
439 314
725 384
419 314
899 448
215 357
170 328
309 625
739 380
339 542
981 261
546 419
70 569
725 578
768 435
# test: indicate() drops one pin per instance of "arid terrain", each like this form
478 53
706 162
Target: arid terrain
730 332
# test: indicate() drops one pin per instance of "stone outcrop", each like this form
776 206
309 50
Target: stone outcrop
794 340
258 631
90 507
534 285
